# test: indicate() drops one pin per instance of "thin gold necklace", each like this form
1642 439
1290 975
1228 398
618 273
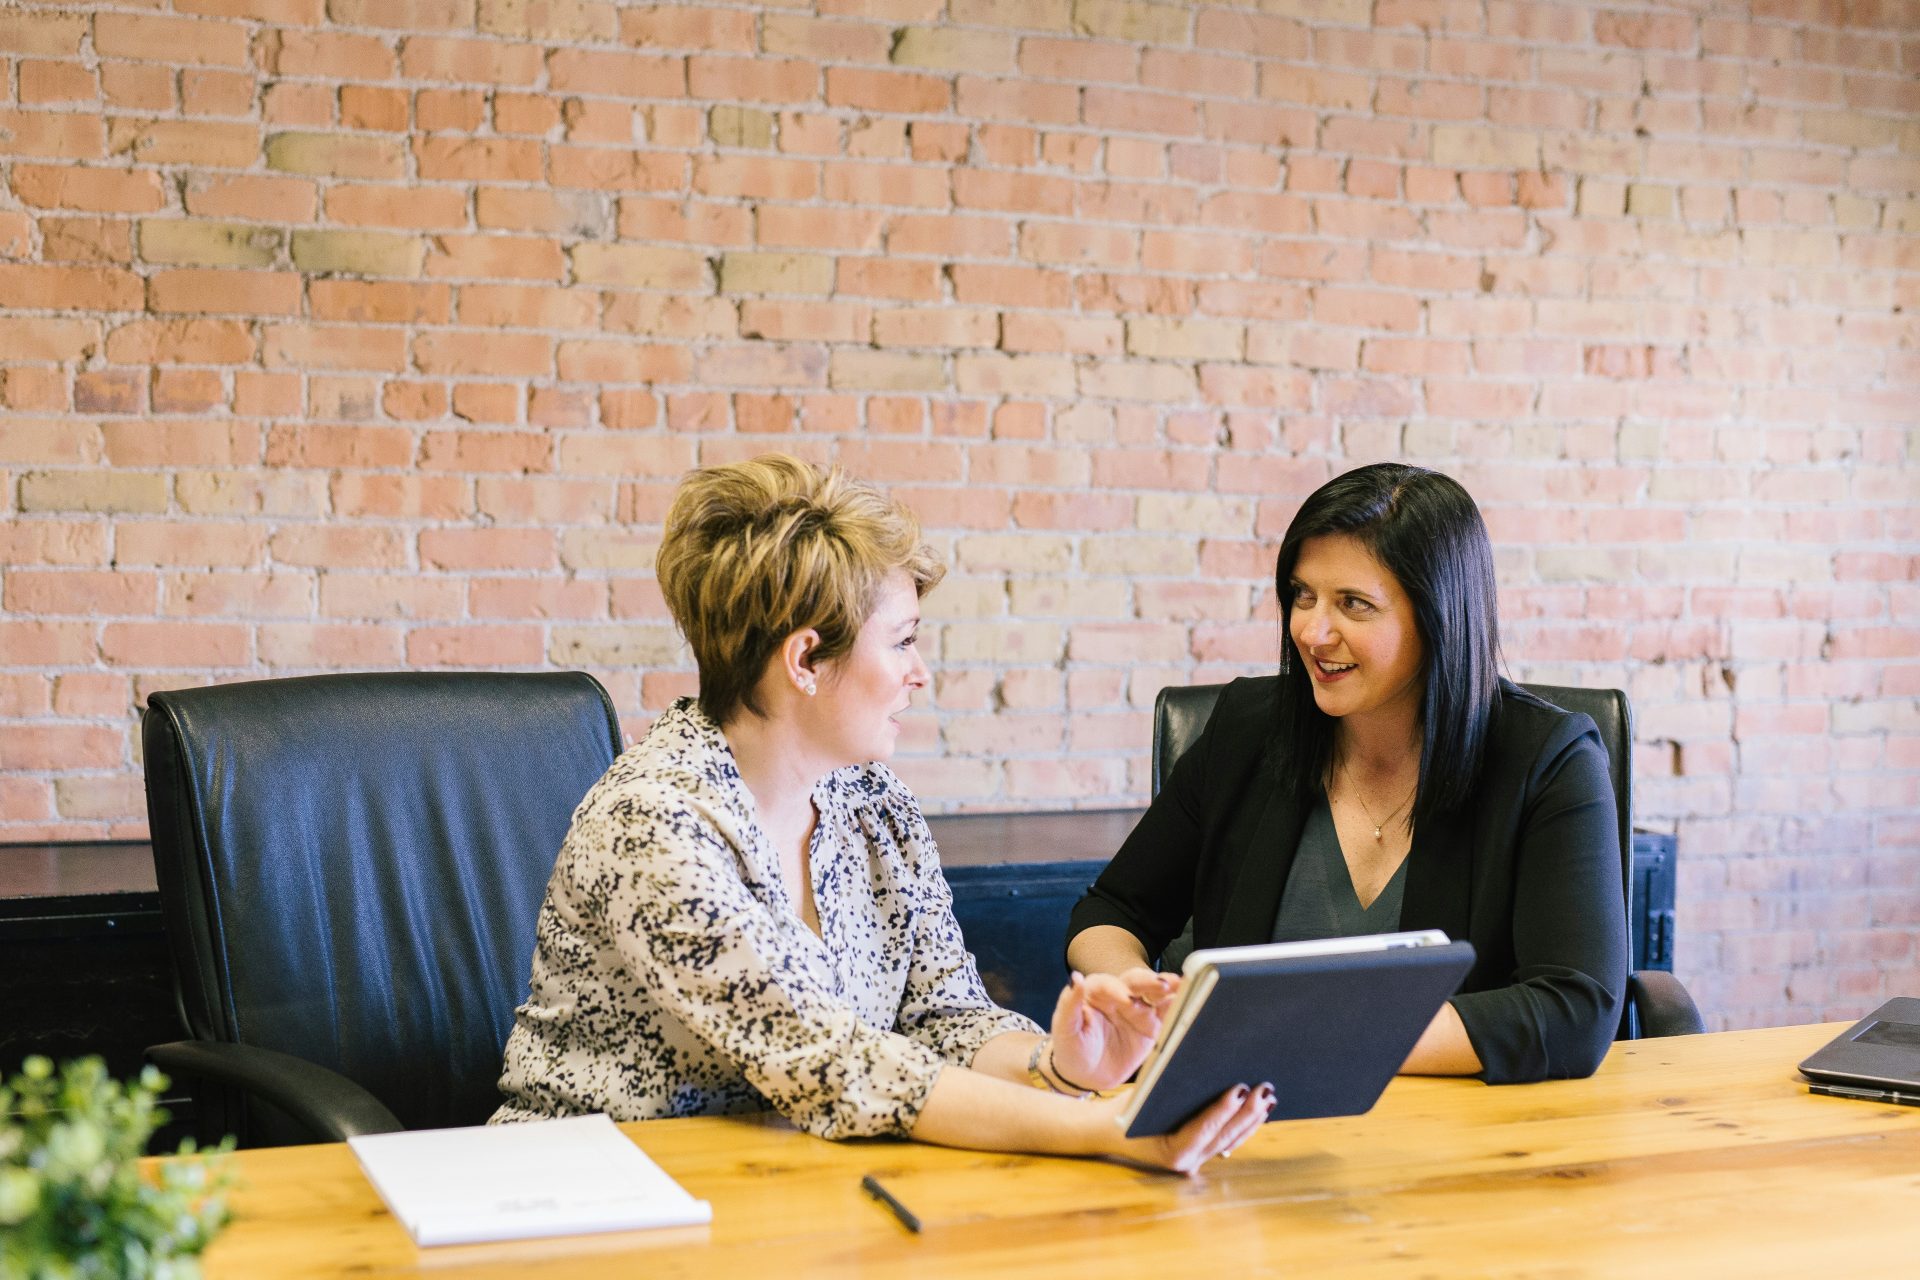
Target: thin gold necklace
1361 800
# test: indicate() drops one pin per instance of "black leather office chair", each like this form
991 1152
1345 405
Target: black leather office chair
350 867
1657 1004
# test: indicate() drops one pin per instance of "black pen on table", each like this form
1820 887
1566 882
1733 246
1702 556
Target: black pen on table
871 1185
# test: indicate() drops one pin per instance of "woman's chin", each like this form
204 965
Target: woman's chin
1330 704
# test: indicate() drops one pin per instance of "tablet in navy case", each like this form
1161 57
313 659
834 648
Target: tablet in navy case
1329 1031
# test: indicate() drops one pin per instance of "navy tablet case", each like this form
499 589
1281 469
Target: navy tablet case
1329 1031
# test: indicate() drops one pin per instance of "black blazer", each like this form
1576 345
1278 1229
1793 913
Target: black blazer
1529 872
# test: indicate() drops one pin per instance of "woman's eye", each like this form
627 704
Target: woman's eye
1302 596
1357 605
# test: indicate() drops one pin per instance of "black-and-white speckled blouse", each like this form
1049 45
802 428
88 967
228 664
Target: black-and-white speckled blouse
672 975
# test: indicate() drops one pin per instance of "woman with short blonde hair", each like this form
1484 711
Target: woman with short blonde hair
748 910
756 551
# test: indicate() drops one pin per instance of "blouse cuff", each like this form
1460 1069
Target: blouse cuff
959 1036
883 1084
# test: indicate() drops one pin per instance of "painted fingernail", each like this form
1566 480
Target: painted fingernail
1240 1093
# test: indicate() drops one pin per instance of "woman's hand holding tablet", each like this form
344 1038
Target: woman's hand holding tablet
1330 1020
1230 1120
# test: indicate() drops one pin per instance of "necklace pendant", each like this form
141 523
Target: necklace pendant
1376 835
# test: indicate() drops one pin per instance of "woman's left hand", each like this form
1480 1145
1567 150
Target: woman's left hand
1104 1024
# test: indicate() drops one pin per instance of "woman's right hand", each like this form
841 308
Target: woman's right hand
1235 1116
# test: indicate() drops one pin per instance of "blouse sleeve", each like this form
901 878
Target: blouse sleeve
1558 1017
945 1005
687 926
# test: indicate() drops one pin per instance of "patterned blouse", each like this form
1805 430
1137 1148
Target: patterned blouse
673 976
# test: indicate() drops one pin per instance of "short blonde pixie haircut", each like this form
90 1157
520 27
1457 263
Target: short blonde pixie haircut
755 551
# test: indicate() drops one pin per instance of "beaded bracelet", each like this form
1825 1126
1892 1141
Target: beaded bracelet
1039 1079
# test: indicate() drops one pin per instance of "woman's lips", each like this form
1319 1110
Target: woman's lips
1325 676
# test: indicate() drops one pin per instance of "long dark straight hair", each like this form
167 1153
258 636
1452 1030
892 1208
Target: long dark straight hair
1427 532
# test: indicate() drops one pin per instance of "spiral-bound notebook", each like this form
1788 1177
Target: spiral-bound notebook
1328 1023
516 1181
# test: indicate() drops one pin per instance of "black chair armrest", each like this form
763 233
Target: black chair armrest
332 1107
1664 1006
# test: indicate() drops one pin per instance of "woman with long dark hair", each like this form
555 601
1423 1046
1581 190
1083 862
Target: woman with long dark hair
1388 778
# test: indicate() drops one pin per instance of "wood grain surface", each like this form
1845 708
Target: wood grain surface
1697 1156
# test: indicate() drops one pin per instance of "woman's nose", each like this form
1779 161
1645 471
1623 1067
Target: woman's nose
1311 627
919 677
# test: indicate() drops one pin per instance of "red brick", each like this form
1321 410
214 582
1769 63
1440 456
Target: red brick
335 347
213 443
416 208
752 79
224 292
135 87
474 646
26 390
81 593
486 451
324 646
99 190
126 35
689 27
1110 62
1078 243
446 157
1010 286
613 169
457 110
758 177
48 35
174 644
480 549
44 748
888 184
338 547
805 321
469 61
868 89
902 280
538 598
46 288
618 360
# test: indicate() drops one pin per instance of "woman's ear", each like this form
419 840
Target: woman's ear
796 660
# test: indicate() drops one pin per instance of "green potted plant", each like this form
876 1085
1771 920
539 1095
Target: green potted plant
74 1202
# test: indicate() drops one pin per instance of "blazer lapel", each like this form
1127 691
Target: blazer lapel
1439 878
1255 897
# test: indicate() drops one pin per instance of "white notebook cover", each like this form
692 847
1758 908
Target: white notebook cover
516 1181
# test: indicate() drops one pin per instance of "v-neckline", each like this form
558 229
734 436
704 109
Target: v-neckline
1346 868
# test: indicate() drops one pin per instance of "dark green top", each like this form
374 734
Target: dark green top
1319 901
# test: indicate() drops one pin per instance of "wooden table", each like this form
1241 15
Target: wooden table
1700 1156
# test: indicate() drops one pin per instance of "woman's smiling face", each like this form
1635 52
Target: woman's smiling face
1353 625
853 716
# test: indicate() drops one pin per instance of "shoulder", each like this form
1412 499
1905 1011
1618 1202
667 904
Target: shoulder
881 806
1246 707
679 773
1530 734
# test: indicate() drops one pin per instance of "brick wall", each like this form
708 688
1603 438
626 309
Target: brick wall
375 333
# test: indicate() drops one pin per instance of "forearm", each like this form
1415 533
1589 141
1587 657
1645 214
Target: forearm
1005 1056
1443 1048
1105 948
970 1108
